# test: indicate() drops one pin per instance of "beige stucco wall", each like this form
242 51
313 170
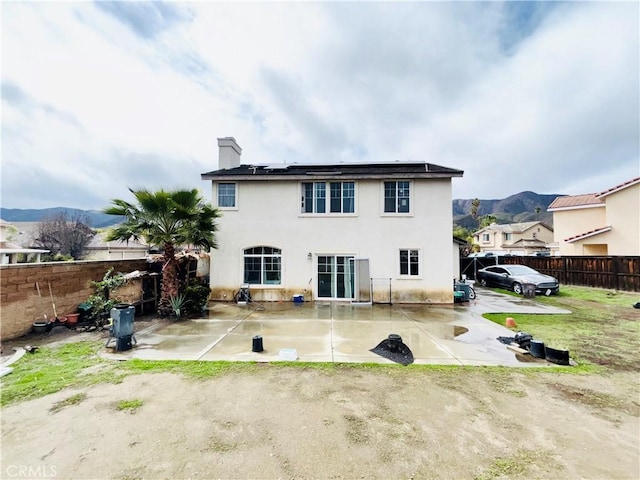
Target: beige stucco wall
568 223
268 213
541 232
620 211
623 214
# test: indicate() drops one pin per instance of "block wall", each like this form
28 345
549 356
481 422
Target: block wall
26 290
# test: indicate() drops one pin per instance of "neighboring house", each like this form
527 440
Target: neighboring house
605 223
524 238
96 249
332 231
99 249
11 252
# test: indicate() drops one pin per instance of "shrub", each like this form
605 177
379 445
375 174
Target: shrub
197 296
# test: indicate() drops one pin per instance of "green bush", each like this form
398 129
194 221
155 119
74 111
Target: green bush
196 296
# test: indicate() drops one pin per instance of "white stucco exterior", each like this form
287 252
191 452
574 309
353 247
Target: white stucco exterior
268 212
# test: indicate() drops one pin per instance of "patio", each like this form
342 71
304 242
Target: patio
340 332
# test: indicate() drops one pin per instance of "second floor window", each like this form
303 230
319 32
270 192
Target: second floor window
341 197
227 195
396 197
507 236
485 237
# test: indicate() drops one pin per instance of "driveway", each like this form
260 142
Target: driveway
340 332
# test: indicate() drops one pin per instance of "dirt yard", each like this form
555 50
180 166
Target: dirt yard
298 422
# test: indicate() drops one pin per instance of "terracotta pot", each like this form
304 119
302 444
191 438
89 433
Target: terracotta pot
72 318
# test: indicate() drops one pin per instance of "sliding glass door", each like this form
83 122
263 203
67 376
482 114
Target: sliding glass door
336 276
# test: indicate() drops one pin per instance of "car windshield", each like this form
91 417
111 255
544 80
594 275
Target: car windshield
521 270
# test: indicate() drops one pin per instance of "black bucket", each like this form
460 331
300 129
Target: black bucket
536 348
560 357
257 344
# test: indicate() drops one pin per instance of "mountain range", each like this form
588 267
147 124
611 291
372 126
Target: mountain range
96 218
517 208
520 207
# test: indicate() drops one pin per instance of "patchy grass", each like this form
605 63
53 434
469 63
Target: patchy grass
72 400
50 370
602 330
515 465
189 368
129 405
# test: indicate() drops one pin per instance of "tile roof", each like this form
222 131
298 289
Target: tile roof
346 170
590 233
622 186
573 201
588 199
512 227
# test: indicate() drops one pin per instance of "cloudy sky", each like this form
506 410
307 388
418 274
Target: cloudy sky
98 97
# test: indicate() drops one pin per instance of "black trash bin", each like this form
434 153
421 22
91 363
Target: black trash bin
122 329
257 344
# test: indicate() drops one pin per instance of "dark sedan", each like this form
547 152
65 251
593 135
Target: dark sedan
513 277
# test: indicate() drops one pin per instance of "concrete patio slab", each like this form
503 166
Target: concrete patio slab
342 332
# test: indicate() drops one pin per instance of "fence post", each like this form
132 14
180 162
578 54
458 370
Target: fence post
616 279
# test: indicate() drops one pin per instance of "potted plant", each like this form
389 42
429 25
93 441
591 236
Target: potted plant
98 306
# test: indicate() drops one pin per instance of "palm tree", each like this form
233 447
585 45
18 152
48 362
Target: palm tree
475 205
166 219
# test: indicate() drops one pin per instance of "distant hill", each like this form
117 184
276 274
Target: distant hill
520 207
97 219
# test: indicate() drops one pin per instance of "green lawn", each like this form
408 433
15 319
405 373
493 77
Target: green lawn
603 328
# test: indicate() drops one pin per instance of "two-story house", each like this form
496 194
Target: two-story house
525 238
605 223
344 231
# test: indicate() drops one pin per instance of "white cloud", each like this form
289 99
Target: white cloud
521 96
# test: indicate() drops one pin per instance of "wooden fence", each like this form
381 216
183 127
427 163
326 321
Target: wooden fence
616 273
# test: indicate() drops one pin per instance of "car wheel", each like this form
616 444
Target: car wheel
483 282
472 294
517 288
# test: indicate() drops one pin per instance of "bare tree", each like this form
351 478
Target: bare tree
64 234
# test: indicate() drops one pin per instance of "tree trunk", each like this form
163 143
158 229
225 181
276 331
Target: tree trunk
170 287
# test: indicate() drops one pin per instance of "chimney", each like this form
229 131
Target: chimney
229 153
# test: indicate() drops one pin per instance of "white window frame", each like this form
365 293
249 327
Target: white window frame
409 198
324 187
486 238
417 253
235 196
262 256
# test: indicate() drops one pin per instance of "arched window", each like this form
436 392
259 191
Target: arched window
263 266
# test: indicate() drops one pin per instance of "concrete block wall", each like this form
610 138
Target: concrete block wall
25 296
